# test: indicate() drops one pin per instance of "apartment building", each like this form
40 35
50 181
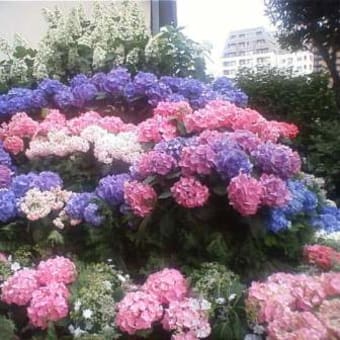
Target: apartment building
257 47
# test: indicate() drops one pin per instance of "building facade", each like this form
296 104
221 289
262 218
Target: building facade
257 48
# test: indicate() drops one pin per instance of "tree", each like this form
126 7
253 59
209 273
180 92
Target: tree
310 24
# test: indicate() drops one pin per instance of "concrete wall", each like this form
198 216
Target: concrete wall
25 17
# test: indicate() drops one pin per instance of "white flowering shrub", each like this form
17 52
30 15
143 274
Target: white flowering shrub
115 34
16 63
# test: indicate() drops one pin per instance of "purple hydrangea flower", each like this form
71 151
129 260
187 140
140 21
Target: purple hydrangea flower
277 159
5 158
78 80
83 93
50 86
111 189
116 80
99 80
172 147
175 83
8 206
38 99
156 93
143 81
64 98
48 180
5 176
230 162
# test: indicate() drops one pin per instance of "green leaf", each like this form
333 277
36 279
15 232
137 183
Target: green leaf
164 195
55 238
7 328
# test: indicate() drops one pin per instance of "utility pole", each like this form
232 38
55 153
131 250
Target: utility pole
163 12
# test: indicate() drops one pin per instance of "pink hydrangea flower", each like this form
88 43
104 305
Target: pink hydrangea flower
49 303
172 110
54 121
59 269
197 160
189 192
138 311
3 257
78 124
184 336
187 315
140 197
167 285
154 162
156 129
112 124
245 194
18 288
275 191
331 283
14 144
322 256
329 315
21 125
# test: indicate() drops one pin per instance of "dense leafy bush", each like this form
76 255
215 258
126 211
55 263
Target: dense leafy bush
308 102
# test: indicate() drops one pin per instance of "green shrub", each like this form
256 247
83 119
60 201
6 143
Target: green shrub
308 102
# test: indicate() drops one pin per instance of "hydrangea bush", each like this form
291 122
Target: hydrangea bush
157 174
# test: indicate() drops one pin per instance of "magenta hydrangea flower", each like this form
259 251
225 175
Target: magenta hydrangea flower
19 287
189 192
14 144
275 191
59 269
140 197
138 311
154 163
167 285
49 303
245 194
197 160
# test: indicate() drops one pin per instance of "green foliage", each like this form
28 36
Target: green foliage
222 288
308 102
95 292
7 328
310 24
171 52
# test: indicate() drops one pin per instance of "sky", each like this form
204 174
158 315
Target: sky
211 20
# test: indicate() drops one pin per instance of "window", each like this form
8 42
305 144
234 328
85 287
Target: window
233 36
283 61
260 41
260 60
305 67
241 35
229 63
232 45
242 61
305 57
299 59
290 60
262 50
258 32
241 54
241 44
226 72
231 54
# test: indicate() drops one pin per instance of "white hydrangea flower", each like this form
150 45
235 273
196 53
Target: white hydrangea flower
87 313
15 266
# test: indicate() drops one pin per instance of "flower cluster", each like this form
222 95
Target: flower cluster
164 298
235 147
43 290
292 306
118 85
321 256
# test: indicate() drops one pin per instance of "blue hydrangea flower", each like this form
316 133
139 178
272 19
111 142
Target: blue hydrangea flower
22 183
76 205
111 189
98 80
174 83
277 220
326 222
92 216
8 207
5 158
78 80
